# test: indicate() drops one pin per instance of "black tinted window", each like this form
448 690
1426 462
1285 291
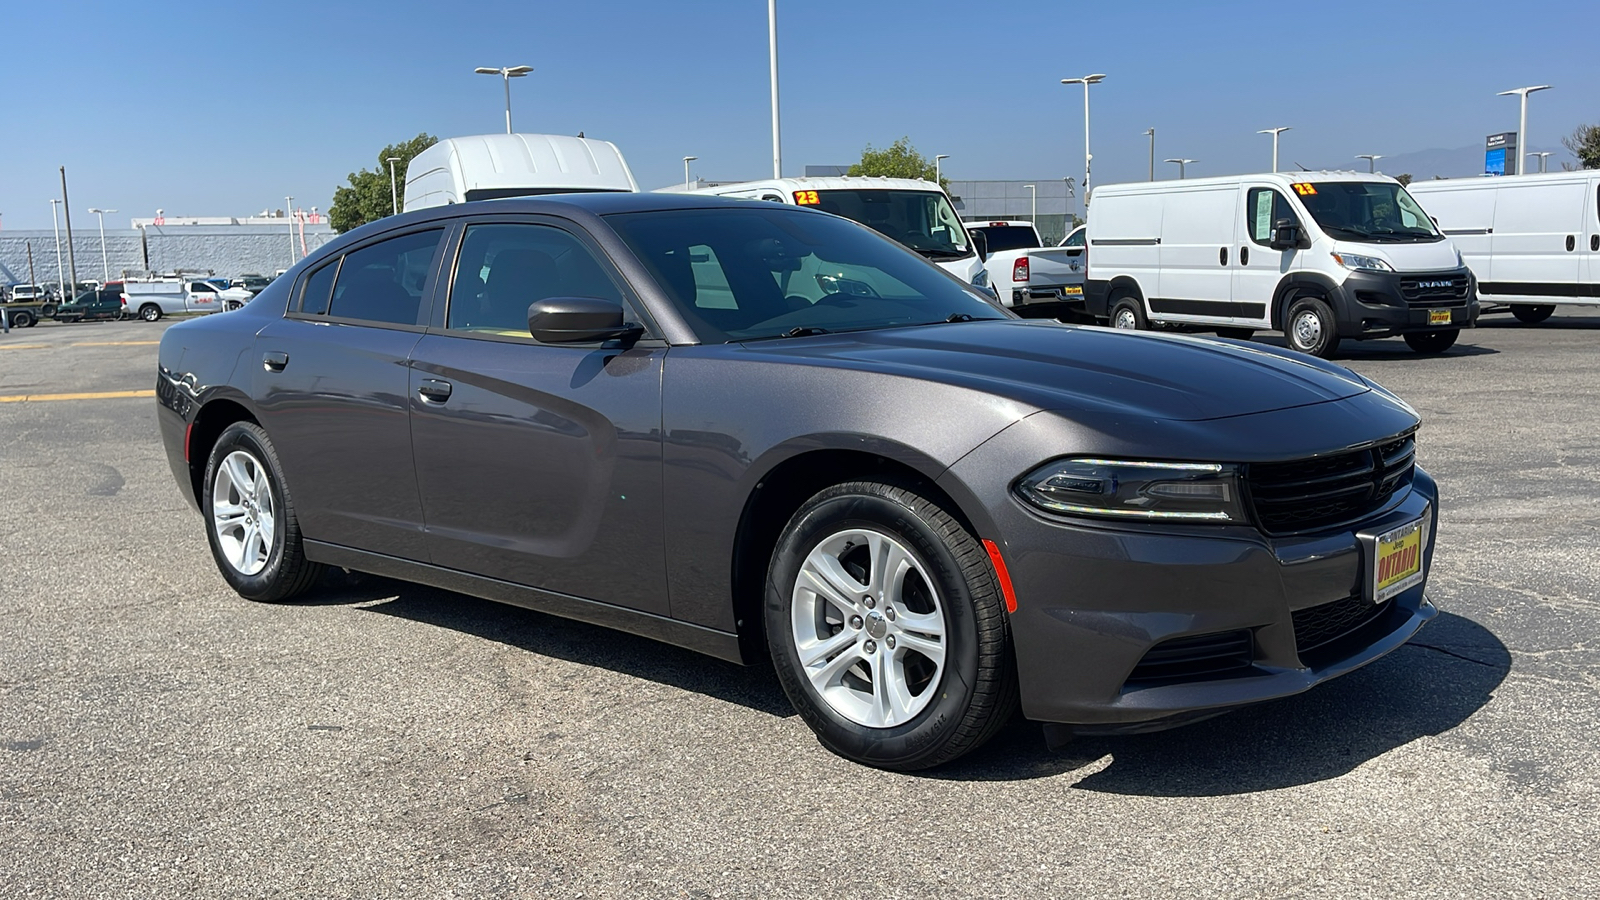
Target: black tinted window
503 268
319 287
383 282
1007 237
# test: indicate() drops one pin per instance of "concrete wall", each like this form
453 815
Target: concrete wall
227 250
1012 200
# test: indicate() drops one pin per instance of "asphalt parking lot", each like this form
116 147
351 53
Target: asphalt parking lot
161 737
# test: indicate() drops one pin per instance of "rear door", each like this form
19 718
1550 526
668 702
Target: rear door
1591 219
539 464
1197 256
1535 240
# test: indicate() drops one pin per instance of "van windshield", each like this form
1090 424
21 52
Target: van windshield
921 220
1367 211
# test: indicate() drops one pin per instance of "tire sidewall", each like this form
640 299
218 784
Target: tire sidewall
930 729
1316 306
251 439
150 312
1133 306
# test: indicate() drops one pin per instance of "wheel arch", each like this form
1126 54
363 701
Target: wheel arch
213 418
1299 284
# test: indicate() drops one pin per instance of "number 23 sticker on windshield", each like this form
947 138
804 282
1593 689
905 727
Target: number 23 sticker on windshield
1397 562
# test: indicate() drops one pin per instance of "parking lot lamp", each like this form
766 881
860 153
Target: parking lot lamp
288 206
1371 158
61 273
772 63
105 268
1181 163
1275 132
936 160
686 161
1522 123
1087 156
506 73
1033 195
394 190
1543 155
1151 132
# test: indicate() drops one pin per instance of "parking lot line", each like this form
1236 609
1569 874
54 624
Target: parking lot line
100 395
116 344
23 346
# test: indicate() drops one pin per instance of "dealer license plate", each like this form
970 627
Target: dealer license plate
1438 317
1073 290
1397 562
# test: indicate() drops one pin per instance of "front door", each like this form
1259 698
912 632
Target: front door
538 464
1260 268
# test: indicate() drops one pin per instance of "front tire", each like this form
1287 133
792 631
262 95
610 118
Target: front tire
1310 327
887 628
1431 342
250 518
150 312
1532 315
1127 314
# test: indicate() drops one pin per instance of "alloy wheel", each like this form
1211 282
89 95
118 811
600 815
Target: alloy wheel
242 512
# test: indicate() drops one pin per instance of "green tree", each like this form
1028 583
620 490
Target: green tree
1404 179
1584 142
898 160
367 198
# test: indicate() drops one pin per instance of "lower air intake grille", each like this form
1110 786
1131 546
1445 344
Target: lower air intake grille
1191 658
1321 625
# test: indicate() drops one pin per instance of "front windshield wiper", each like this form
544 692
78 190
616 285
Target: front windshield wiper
956 317
798 331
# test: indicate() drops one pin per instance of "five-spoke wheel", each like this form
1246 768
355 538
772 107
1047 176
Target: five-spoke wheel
250 520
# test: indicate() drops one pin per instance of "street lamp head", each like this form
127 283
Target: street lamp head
1275 130
486 70
394 159
941 156
518 71
1524 91
690 158
1087 79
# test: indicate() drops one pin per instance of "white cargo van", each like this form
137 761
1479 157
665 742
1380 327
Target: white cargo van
492 166
1533 241
916 213
1320 256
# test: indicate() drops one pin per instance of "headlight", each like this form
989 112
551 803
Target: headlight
1125 489
1353 261
981 279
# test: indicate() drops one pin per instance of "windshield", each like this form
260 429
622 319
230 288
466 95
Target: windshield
1007 237
763 272
922 220
1370 211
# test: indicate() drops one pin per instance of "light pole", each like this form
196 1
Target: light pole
1371 158
772 61
506 73
686 161
1522 123
1275 132
61 274
936 160
288 203
1033 195
394 190
1087 156
1181 163
105 268
1543 155
1152 133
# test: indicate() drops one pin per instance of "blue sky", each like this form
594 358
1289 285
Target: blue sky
224 108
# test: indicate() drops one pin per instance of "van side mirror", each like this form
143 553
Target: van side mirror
1286 235
980 242
578 320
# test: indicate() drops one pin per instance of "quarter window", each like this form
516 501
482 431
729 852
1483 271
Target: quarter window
505 268
384 282
1263 208
319 287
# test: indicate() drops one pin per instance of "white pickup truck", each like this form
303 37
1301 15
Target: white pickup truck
150 300
1032 279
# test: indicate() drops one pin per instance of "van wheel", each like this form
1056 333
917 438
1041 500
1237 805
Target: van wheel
1310 327
1532 315
887 627
1127 314
1432 341
1238 334
149 312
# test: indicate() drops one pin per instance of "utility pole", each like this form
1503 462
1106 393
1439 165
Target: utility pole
1275 132
772 54
61 275
66 210
289 212
394 192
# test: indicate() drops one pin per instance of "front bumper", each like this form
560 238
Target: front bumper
1381 304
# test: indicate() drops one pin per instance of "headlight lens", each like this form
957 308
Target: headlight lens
1354 261
1130 489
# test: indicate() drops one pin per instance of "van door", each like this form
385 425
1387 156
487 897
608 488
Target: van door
1197 256
1465 215
1591 220
1535 240
1260 268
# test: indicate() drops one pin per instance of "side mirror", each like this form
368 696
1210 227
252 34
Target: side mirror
1285 235
577 320
980 242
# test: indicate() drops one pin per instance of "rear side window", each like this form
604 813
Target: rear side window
319 287
1263 208
1008 237
384 282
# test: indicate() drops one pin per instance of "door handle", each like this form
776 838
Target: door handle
435 390
1244 256
274 360
1222 256
1594 242
1571 243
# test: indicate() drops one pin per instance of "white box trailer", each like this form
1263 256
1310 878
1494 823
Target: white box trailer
494 166
1533 241
1321 256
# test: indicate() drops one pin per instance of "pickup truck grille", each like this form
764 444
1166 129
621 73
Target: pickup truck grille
1324 491
1428 290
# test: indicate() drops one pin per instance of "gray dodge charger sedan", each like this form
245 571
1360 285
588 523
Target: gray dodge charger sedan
765 432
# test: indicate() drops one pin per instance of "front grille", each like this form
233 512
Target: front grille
1325 491
1188 658
1442 290
1318 626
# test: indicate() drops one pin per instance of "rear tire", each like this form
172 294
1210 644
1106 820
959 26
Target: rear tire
22 319
1127 314
1532 315
1310 327
887 627
1432 342
250 518
150 312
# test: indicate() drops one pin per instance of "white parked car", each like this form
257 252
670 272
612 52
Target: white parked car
1533 241
1029 277
1321 256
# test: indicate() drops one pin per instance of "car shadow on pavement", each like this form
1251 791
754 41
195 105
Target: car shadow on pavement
1428 686
1383 349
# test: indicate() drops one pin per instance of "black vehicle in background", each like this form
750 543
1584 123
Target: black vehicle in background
103 303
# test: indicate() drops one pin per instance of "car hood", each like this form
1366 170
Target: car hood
1064 367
